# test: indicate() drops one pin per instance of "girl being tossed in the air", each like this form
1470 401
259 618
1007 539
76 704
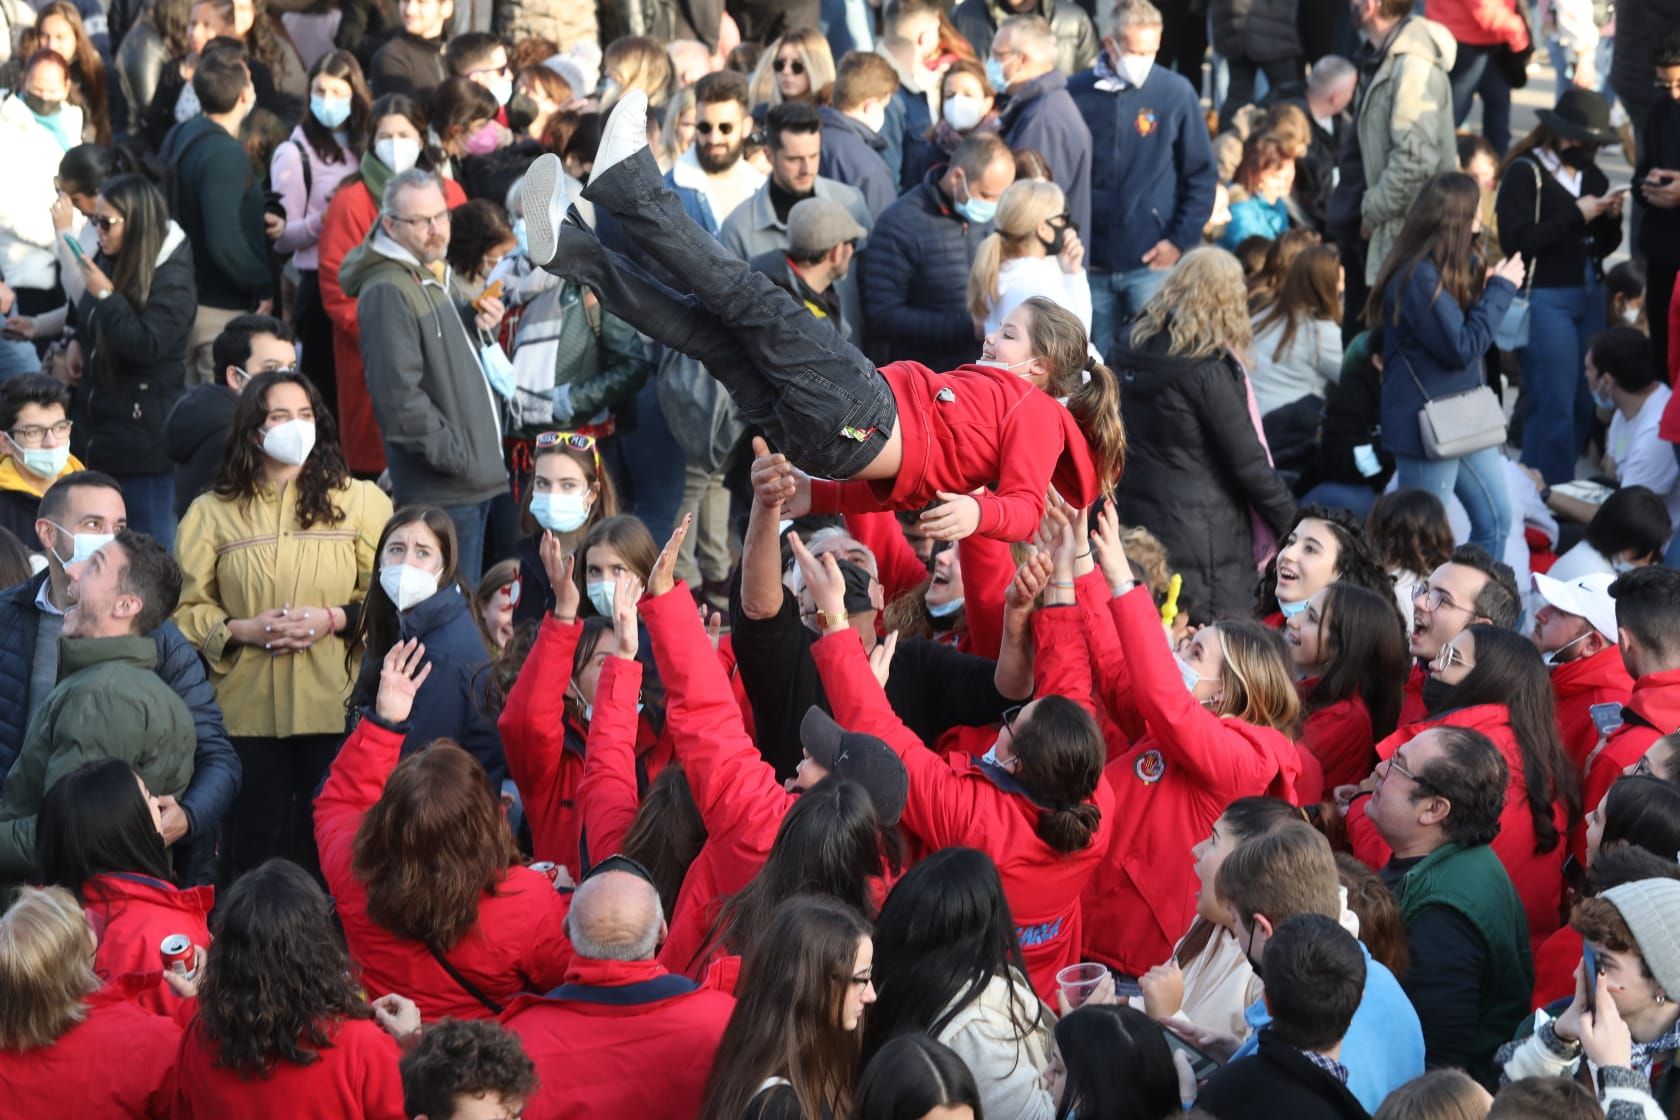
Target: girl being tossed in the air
983 441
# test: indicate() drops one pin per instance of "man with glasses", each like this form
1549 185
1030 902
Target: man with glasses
1437 804
34 450
1470 587
1040 114
480 57
712 167
196 429
439 415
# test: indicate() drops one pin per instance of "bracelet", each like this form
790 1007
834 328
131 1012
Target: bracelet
1124 587
1063 585
1082 555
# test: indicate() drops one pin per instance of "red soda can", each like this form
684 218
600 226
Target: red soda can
178 953
547 867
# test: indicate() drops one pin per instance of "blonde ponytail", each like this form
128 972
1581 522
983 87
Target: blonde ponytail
983 276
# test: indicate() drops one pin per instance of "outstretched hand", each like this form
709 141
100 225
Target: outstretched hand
955 517
822 578
663 576
778 484
557 565
1031 578
400 679
627 592
1105 542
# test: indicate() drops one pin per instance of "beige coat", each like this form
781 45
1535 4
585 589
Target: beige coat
1008 1067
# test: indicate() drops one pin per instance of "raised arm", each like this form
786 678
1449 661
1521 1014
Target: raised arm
608 791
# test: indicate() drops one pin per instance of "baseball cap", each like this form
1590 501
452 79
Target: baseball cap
859 758
816 225
1587 597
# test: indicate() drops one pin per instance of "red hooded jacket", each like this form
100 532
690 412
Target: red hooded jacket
1169 788
956 802
973 427
114 1064
1580 685
1554 966
1340 737
517 944
620 1038
132 915
355 1078
1652 711
1538 876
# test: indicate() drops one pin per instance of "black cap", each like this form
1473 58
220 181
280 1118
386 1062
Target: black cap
859 758
1581 114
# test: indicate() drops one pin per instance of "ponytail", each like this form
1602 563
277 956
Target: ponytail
1061 753
1070 829
983 275
1095 406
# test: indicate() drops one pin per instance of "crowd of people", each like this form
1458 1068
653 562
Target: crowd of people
813 559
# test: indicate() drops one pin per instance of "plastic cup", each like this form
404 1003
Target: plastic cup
1078 982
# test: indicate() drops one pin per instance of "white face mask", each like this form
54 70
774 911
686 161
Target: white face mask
875 119
560 513
406 585
44 462
83 545
601 595
963 113
1630 314
1135 67
1552 657
399 153
290 442
502 89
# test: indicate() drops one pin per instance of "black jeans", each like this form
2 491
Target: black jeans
815 396
1239 91
274 812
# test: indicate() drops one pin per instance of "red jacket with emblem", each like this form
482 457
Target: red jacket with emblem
355 1078
956 802
1652 711
1538 876
115 1064
1339 735
132 915
517 944
620 1038
1580 685
1169 788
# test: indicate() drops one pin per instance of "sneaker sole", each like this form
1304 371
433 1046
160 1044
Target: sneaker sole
542 233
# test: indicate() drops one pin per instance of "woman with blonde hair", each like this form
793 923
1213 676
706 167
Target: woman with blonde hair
637 62
1034 250
1199 476
676 130
798 67
67 1046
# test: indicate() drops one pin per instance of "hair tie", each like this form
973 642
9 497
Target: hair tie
1090 363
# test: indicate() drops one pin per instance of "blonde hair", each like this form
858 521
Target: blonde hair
46 968
814 52
1020 210
1202 306
640 62
681 102
1259 684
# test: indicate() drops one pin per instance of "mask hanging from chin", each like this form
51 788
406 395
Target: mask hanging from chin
1437 695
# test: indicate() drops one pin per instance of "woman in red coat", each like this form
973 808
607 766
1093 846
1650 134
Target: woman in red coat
1349 650
1206 728
396 142
69 1047
97 836
1493 681
1324 547
423 866
282 1029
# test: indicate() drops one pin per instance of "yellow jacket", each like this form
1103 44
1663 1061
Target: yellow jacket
242 557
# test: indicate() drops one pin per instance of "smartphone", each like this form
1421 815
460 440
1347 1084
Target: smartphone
1203 1065
1589 965
75 246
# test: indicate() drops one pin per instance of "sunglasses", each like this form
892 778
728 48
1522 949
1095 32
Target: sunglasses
106 225
571 441
793 64
723 128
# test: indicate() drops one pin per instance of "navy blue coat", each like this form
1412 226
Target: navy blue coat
1042 116
915 279
1435 340
1152 169
216 769
908 121
851 154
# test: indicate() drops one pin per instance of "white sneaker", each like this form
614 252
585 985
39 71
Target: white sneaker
543 196
624 134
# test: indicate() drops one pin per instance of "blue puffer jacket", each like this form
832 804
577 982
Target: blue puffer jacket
915 280
1152 169
1433 342
216 769
1042 116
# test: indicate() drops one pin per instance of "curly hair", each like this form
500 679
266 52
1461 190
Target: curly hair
464 1058
277 977
1202 307
324 473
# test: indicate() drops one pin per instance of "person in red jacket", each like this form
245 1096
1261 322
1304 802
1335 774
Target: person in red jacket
97 836
396 141
1576 632
907 436
1495 683
423 866
1470 587
69 1046
1211 725
622 1036
282 1028
1349 648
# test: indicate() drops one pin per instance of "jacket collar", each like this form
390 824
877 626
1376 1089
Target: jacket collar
1603 669
433 614
13 478
114 885
386 246
1656 700
612 974
1030 92
76 654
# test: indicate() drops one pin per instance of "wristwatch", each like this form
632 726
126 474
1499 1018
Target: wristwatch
826 621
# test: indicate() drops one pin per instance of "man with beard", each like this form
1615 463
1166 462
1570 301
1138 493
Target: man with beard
713 166
1470 587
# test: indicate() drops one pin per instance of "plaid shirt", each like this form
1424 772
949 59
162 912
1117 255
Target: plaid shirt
1327 1064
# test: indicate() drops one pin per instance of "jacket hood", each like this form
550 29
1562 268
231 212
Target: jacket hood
1603 669
834 118
1656 699
76 654
1427 38
172 240
202 413
376 250
1148 369
116 887
12 478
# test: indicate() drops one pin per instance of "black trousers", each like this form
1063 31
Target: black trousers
273 815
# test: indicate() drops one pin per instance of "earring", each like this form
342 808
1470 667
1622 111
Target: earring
1661 999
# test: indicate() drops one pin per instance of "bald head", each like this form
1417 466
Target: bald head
616 916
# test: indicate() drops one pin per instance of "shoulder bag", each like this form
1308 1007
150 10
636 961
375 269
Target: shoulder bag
1460 424
1512 332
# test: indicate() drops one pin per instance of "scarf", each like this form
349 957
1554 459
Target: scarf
374 175
1109 80
1645 1053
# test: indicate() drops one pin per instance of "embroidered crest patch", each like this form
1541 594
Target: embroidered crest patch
1149 767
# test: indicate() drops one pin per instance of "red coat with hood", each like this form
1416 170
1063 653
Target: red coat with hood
1652 711
619 1038
1340 737
1538 876
957 802
131 915
115 1064
355 1078
1169 788
1581 685
517 944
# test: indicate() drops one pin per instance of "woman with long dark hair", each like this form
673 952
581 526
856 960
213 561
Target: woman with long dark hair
424 868
1411 536
97 837
790 1051
1298 339
305 171
1322 547
282 1027
1438 320
914 1077
134 323
1349 651
275 562
1493 681
61 30
1113 1061
948 962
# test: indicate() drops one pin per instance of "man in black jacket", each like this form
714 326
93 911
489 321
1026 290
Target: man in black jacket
411 61
79 514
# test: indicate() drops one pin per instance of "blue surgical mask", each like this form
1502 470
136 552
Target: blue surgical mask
82 545
1290 610
560 513
332 112
601 595
1604 400
945 609
1188 672
976 209
994 75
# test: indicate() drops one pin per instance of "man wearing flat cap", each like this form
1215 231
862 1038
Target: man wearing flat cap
822 239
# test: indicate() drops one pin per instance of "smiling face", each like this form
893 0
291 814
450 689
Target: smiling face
947 584
1307 563
1012 345
860 987
1305 635
415 545
1210 855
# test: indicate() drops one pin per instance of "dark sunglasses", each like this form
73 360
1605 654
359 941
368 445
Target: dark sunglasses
723 128
106 225
792 64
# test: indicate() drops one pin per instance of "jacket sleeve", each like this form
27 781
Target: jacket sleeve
1198 180
1421 91
303 223
533 730
1519 232
200 615
1499 17
1117 709
354 782
889 304
227 242
608 791
142 339
1061 663
1454 338
1230 432
625 368
939 806
338 237
394 358
216 772
988 1046
1027 459
987 569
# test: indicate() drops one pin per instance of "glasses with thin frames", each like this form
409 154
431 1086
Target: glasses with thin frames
434 221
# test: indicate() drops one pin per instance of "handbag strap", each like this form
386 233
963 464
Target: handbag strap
466 985
1539 189
1401 354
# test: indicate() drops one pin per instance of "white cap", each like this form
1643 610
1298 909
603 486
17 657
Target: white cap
1587 597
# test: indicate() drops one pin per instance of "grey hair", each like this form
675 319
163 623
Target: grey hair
1133 13
1032 36
1329 70
641 948
415 178
836 538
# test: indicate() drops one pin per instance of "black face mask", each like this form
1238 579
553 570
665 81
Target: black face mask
40 106
521 111
1577 159
1437 695
1055 245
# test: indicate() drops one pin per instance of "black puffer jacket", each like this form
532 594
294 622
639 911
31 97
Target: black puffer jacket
1258 30
1194 469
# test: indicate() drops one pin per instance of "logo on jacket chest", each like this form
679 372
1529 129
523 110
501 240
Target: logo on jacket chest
1150 767
1145 122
